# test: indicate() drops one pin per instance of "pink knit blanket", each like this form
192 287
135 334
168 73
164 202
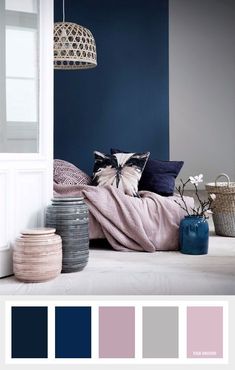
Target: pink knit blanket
149 223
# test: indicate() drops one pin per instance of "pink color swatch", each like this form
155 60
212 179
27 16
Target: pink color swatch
116 332
204 332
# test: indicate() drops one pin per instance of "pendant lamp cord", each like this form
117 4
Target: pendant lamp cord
63 11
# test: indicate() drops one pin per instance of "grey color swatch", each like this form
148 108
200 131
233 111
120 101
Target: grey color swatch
160 332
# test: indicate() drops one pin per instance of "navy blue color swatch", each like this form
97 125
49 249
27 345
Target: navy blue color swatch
29 332
73 332
124 101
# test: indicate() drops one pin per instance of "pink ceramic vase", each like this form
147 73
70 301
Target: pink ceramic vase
37 255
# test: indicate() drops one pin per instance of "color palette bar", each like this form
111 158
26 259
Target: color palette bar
205 332
73 332
116 332
138 332
160 332
29 332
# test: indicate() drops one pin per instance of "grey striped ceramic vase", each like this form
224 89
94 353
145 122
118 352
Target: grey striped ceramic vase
70 218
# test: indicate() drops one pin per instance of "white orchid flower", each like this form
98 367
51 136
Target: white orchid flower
196 179
208 213
212 196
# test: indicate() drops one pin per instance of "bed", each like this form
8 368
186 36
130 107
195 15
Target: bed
146 228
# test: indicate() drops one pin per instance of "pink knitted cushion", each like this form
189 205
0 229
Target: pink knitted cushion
66 173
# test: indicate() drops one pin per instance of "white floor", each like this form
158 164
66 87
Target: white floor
137 273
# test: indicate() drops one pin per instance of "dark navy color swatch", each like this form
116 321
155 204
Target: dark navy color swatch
124 101
29 332
73 332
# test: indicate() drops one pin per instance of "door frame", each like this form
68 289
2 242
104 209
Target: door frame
43 160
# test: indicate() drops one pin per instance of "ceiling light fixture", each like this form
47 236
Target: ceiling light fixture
74 46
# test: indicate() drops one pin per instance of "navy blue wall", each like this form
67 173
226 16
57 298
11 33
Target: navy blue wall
124 101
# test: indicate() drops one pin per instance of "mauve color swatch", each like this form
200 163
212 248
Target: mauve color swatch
116 332
205 332
29 332
73 332
160 332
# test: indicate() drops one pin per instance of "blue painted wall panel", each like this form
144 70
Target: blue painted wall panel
124 102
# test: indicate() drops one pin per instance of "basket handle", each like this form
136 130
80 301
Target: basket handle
224 175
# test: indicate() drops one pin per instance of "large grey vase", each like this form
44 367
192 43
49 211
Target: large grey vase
70 218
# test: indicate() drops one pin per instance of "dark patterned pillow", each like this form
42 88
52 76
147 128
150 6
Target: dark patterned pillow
121 170
68 174
159 176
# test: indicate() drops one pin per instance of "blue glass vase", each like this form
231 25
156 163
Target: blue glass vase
194 235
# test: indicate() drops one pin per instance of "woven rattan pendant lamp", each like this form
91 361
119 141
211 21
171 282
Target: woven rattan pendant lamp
74 46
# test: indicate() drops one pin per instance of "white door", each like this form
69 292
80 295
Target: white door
26 119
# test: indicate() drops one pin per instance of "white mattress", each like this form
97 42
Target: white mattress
138 273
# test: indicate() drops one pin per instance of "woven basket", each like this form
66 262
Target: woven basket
223 205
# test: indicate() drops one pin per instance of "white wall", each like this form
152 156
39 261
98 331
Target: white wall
202 86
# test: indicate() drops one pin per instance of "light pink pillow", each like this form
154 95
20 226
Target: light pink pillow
68 174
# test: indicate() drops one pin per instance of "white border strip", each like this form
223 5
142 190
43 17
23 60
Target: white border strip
182 305
182 332
51 332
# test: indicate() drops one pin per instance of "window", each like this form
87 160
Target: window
19 77
28 6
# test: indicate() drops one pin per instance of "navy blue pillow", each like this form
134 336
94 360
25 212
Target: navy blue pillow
158 176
